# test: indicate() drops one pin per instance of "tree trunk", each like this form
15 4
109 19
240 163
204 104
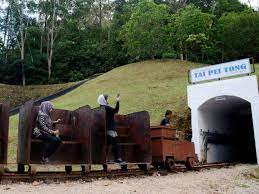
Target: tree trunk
110 20
51 40
22 47
186 53
100 13
181 51
6 35
7 49
181 56
40 18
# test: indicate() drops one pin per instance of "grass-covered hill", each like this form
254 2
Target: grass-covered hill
154 86
19 94
150 85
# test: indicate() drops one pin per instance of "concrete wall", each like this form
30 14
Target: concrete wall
199 98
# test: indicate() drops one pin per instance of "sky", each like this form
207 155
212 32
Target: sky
254 3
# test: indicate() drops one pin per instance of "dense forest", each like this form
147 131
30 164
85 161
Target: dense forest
56 41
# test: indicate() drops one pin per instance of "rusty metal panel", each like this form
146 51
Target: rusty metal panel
66 152
140 130
163 131
82 121
65 126
4 130
179 150
135 129
69 152
74 130
163 146
64 115
182 150
98 136
66 132
75 133
24 133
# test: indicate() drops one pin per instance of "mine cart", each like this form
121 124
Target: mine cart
168 150
4 126
74 130
133 135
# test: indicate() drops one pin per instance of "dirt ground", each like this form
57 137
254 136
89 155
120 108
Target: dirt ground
238 179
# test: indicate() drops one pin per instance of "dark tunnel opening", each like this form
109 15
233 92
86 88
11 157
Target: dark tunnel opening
227 130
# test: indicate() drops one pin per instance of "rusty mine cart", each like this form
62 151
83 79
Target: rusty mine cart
83 135
133 135
168 150
74 130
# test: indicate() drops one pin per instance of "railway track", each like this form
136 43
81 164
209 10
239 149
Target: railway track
50 177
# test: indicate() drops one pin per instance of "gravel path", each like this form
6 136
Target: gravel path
226 180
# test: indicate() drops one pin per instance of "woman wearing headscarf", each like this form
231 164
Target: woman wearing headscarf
44 131
112 136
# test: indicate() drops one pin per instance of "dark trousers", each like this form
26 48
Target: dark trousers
52 145
113 141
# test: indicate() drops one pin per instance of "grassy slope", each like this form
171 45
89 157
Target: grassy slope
151 85
19 94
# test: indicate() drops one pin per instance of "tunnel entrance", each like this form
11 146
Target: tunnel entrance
226 130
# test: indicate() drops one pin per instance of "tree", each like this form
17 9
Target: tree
1 46
237 34
204 5
190 23
145 34
53 13
174 5
224 6
218 7
18 16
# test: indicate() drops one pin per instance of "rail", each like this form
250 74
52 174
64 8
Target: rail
49 177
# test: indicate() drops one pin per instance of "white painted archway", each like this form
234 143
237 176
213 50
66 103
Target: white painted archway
213 104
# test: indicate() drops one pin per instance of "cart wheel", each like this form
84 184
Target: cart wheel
190 162
68 169
124 167
86 169
145 167
32 170
20 168
170 164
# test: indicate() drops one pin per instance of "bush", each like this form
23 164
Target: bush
171 55
76 76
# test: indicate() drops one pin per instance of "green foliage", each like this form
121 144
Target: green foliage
192 29
218 7
238 35
204 5
145 33
76 75
92 36
224 6
171 55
